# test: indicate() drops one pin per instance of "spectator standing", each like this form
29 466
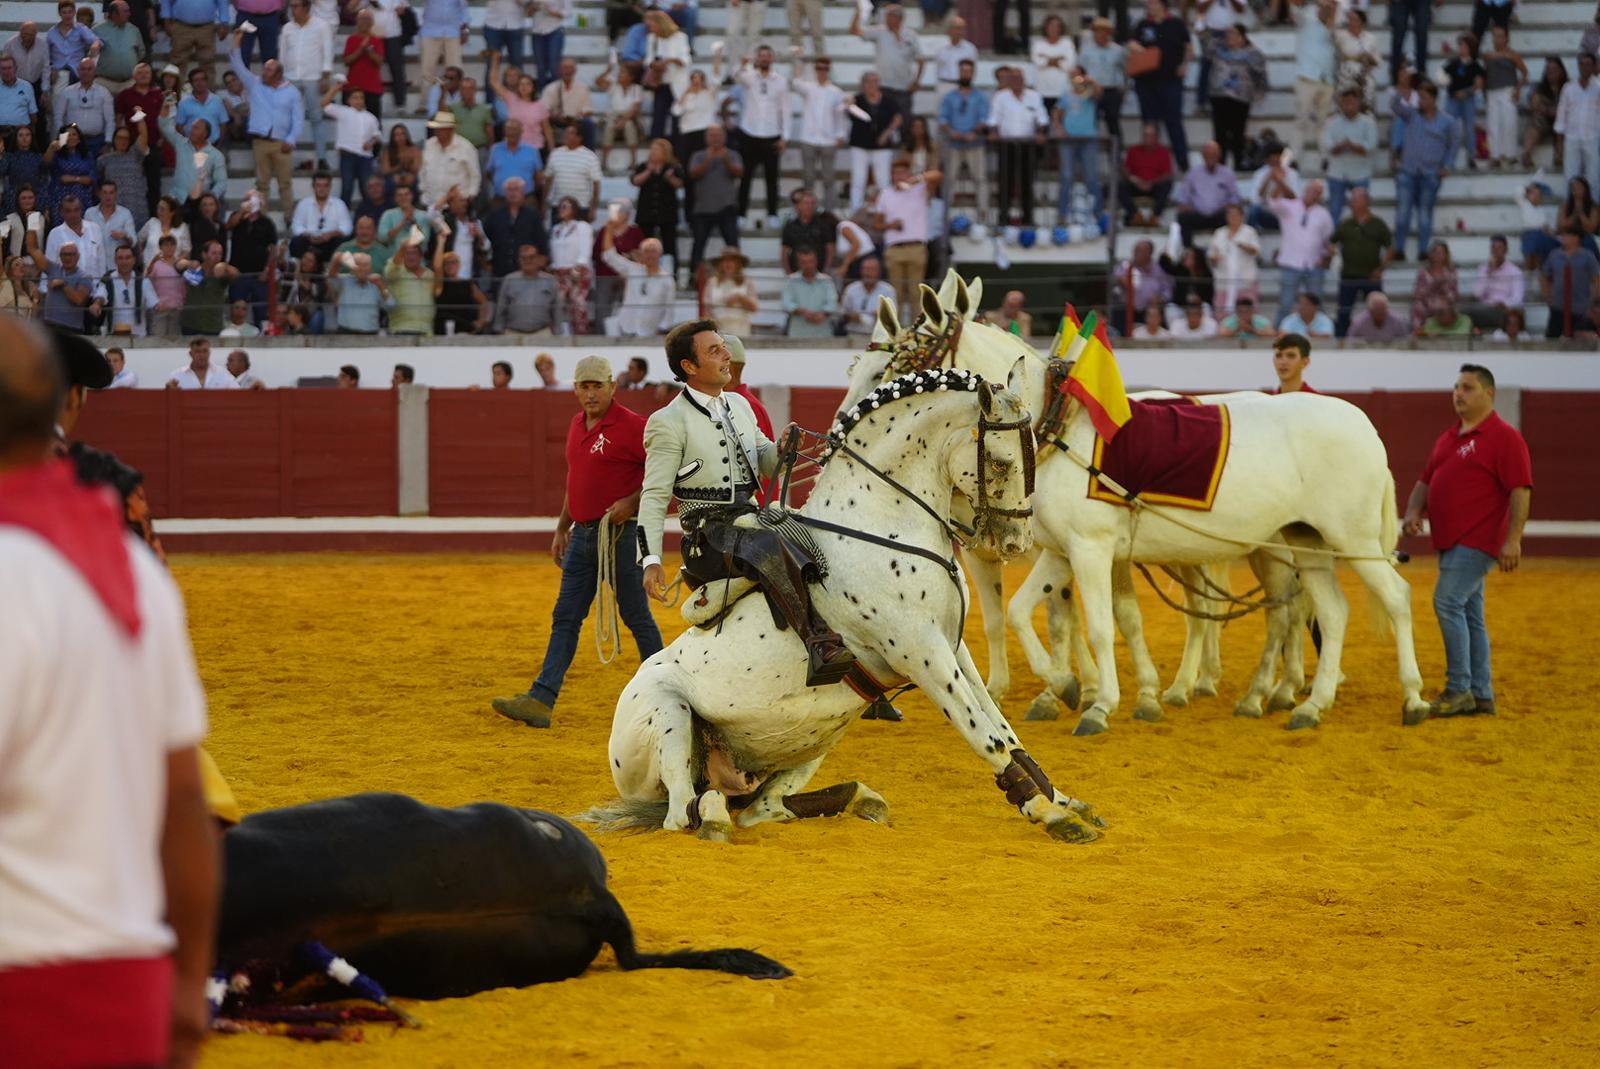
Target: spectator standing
528 304
761 129
123 163
30 53
955 51
897 57
1476 490
121 48
125 378
809 300
902 214
1105 63
804 13
166 278
715 170
68 290
512 225
460 233
1316 68
605 473
19 104
807 230
1430 145
207 291
69 44
1206 192
608 284
111 913
1436 285
1054 58
658 180
276 115
442 30
1571 278
1357 50
693 112
411 288
144 99
1366 246
963 114
87 106
746 19
1578 122
647 301
1499 287
1350 147
547 37
1076 124
400 162
75 229
1238 81
307 46
448 162
114 221
127 301
874 127
356 138
858 307
1216 18
386 25
667 58
818 128
321 221
1416 15
1232 255
253 243
1018 120
1011 44
1148 172
505 29
1543 100
363 60
1377 322
1465 79
1159 85
1505 75
267 17
571 249
201 103
573 171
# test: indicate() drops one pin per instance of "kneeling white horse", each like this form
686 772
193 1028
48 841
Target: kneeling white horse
724 715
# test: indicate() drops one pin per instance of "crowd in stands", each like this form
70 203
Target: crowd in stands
117 122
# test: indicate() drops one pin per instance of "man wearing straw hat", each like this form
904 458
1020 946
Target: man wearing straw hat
605 471
448 162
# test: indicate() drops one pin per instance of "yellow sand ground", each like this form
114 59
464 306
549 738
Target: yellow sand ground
1360 895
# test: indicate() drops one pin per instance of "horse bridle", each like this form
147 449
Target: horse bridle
985 514
916 351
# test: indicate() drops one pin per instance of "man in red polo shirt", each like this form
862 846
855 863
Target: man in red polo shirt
605 471
1476 489
1147 171
1291 355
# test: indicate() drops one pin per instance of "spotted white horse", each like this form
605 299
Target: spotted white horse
724 715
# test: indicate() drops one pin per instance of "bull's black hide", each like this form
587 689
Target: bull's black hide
430 902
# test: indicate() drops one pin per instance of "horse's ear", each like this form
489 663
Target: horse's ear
888 321
975 295
1016 378
931 308
985 397
963 299
947 288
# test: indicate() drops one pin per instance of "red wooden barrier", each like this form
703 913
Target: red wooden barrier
1557 427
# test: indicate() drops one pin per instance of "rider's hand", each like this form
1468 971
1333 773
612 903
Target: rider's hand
655 582
559 543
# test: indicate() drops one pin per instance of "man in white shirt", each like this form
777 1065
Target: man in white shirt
766 108
1018 119
123 377
1500 287
239 368
647 301
321 221
1195 322
108 858
127 296
356 136
819 128
79 231
570 101
858 307
305 48
114 222
199 373
947 61
448 162
1578 120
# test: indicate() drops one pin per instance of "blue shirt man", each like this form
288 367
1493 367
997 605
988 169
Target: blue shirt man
1079 115
66 49
962 111
18 105
196 12
1431 140
634 43
276 111
443 18
211 109
506 162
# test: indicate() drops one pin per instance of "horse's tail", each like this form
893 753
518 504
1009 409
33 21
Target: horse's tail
624 814
614 928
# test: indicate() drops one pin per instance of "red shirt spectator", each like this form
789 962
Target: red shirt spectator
150 100
1149 163
366 72
605 463
630 238
1470 477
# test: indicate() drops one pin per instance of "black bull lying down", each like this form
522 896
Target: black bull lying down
430 902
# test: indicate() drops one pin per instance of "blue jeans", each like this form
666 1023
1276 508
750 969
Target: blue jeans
1339 191
1161 102
1417 193
1458 603
1293 281
1419 14
580 570
1080 162
545 51
1466 113
353 173
267 27
508 42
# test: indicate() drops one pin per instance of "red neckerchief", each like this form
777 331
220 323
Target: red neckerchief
82 524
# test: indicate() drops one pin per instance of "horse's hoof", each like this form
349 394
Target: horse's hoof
1412 715
1044 707
1071 694
1304 717
1092 722
1204 689
716 823
868 804
1071 830
1175 698
1147 709
1249 708
1281 701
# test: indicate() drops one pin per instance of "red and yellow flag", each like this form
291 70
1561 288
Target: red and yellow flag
1095 380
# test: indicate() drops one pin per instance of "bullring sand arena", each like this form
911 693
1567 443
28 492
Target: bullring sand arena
1356 895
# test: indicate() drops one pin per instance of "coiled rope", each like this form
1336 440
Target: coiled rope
608 618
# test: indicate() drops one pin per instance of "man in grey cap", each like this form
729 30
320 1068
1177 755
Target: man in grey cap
605 471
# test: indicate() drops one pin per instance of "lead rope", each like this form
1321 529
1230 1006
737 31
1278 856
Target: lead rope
607 620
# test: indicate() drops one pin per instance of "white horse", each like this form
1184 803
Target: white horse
726 713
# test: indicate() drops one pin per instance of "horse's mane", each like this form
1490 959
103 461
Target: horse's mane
932 380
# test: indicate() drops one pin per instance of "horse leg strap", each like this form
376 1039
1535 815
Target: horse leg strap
828 802
1023 780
